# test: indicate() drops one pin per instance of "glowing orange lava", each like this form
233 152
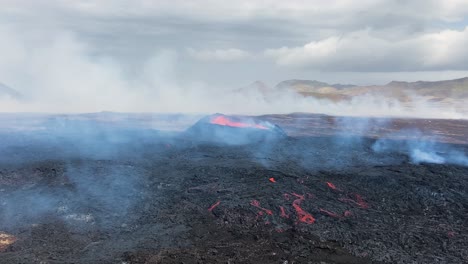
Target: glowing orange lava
224 121
298 195
302 215
347 213
331 185
6 240
283 212
359 201
257 204
326 212
214 206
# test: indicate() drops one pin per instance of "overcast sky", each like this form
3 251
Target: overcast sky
364 41
232 43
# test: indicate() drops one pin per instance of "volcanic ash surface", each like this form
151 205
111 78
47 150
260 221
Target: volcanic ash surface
228 190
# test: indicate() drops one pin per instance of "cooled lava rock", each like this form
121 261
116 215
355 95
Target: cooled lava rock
234 130
72 196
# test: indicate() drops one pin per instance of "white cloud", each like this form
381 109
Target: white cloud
58 73
132 55
293 9
452 10
445 49
363 51
303 11
218 55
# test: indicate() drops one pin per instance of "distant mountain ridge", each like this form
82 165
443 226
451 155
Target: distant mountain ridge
316 89
311 83
456 89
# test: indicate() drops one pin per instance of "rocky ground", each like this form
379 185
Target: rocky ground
142 196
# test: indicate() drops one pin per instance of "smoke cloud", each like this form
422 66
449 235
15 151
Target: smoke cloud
421 148
74 172
56 71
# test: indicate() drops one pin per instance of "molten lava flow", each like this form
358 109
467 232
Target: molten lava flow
257 204
326 212
6 240
298 196
331 186
214 206
283 212
224 121
359 201
302 215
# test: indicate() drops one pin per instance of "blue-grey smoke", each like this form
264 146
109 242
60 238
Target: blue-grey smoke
422 148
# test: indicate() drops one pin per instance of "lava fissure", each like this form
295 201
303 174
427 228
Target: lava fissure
302 215
214 206
326 212
257 204
358 200
283 212
224 121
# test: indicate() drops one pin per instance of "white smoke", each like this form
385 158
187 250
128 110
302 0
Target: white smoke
421 148
418 156
58 72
